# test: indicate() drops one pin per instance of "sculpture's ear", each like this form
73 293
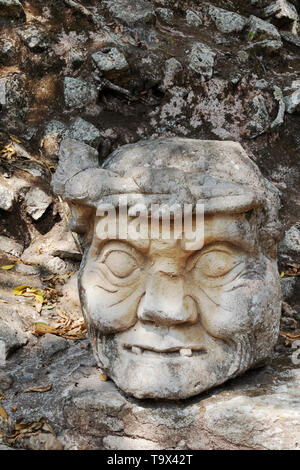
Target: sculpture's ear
74 157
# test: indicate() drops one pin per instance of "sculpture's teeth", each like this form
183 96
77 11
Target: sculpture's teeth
136 350
186 352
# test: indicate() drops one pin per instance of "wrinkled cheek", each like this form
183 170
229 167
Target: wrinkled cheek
111 313
225 314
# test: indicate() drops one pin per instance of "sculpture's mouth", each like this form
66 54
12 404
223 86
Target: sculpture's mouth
173 352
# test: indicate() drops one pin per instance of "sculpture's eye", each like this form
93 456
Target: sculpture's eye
216 263
120 263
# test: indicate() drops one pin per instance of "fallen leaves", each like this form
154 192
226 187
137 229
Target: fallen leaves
7 267
3 413
66 327
27 291
29 429
103 377
47 388
289 335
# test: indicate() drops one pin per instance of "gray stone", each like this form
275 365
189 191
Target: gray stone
7 50
11 9
172 69
111 62
291 241
10 340
132 12
34 39
279 120
201 60
283 10
7 196
74 156
266 46
261 84
6 381
53 134
288 287
127 443
226 21
37 202
78 93
257 26
292 102
259 117
85 132
165 14
9 246
13 97
52 344
193 19
290 37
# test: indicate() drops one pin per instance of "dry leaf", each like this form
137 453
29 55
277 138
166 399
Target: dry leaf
3 413
39 389
8 267
103 377
289 335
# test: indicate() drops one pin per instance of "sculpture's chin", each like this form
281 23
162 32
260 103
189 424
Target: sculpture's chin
152 375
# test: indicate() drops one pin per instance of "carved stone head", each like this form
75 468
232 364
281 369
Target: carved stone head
166 321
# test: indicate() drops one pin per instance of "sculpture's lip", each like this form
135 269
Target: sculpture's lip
179 351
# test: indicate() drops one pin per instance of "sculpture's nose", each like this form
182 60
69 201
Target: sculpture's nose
164 302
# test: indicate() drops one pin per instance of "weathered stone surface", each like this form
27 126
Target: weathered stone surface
7 51
85 132
10 340
292 102
37 202
7 196
172 71
226 21
284 11
202 60
118 321
257 26
6 381
132 12
290 37
125 443
266 47
78 93
192 18
165 14
13 97
11 9
259 117
291 241
10 246
36 40
111 62
52 344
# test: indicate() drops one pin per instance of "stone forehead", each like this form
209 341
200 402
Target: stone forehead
222 160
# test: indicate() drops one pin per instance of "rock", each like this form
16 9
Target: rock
165 14
288 287
73 156
7 196
6 381
258 27
261 84
283 11
201 60
10 246
192 18
132 12
7 50
52 344
292 102
226 21
14 99
172 69
27 270
111 62
259 117
279 120
12 9
10 340
126 443
290 37
291 241
266 46
34 39
44 441
37 202
85 132
78 93
54 133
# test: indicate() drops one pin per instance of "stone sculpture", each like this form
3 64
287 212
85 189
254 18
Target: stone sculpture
166 322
